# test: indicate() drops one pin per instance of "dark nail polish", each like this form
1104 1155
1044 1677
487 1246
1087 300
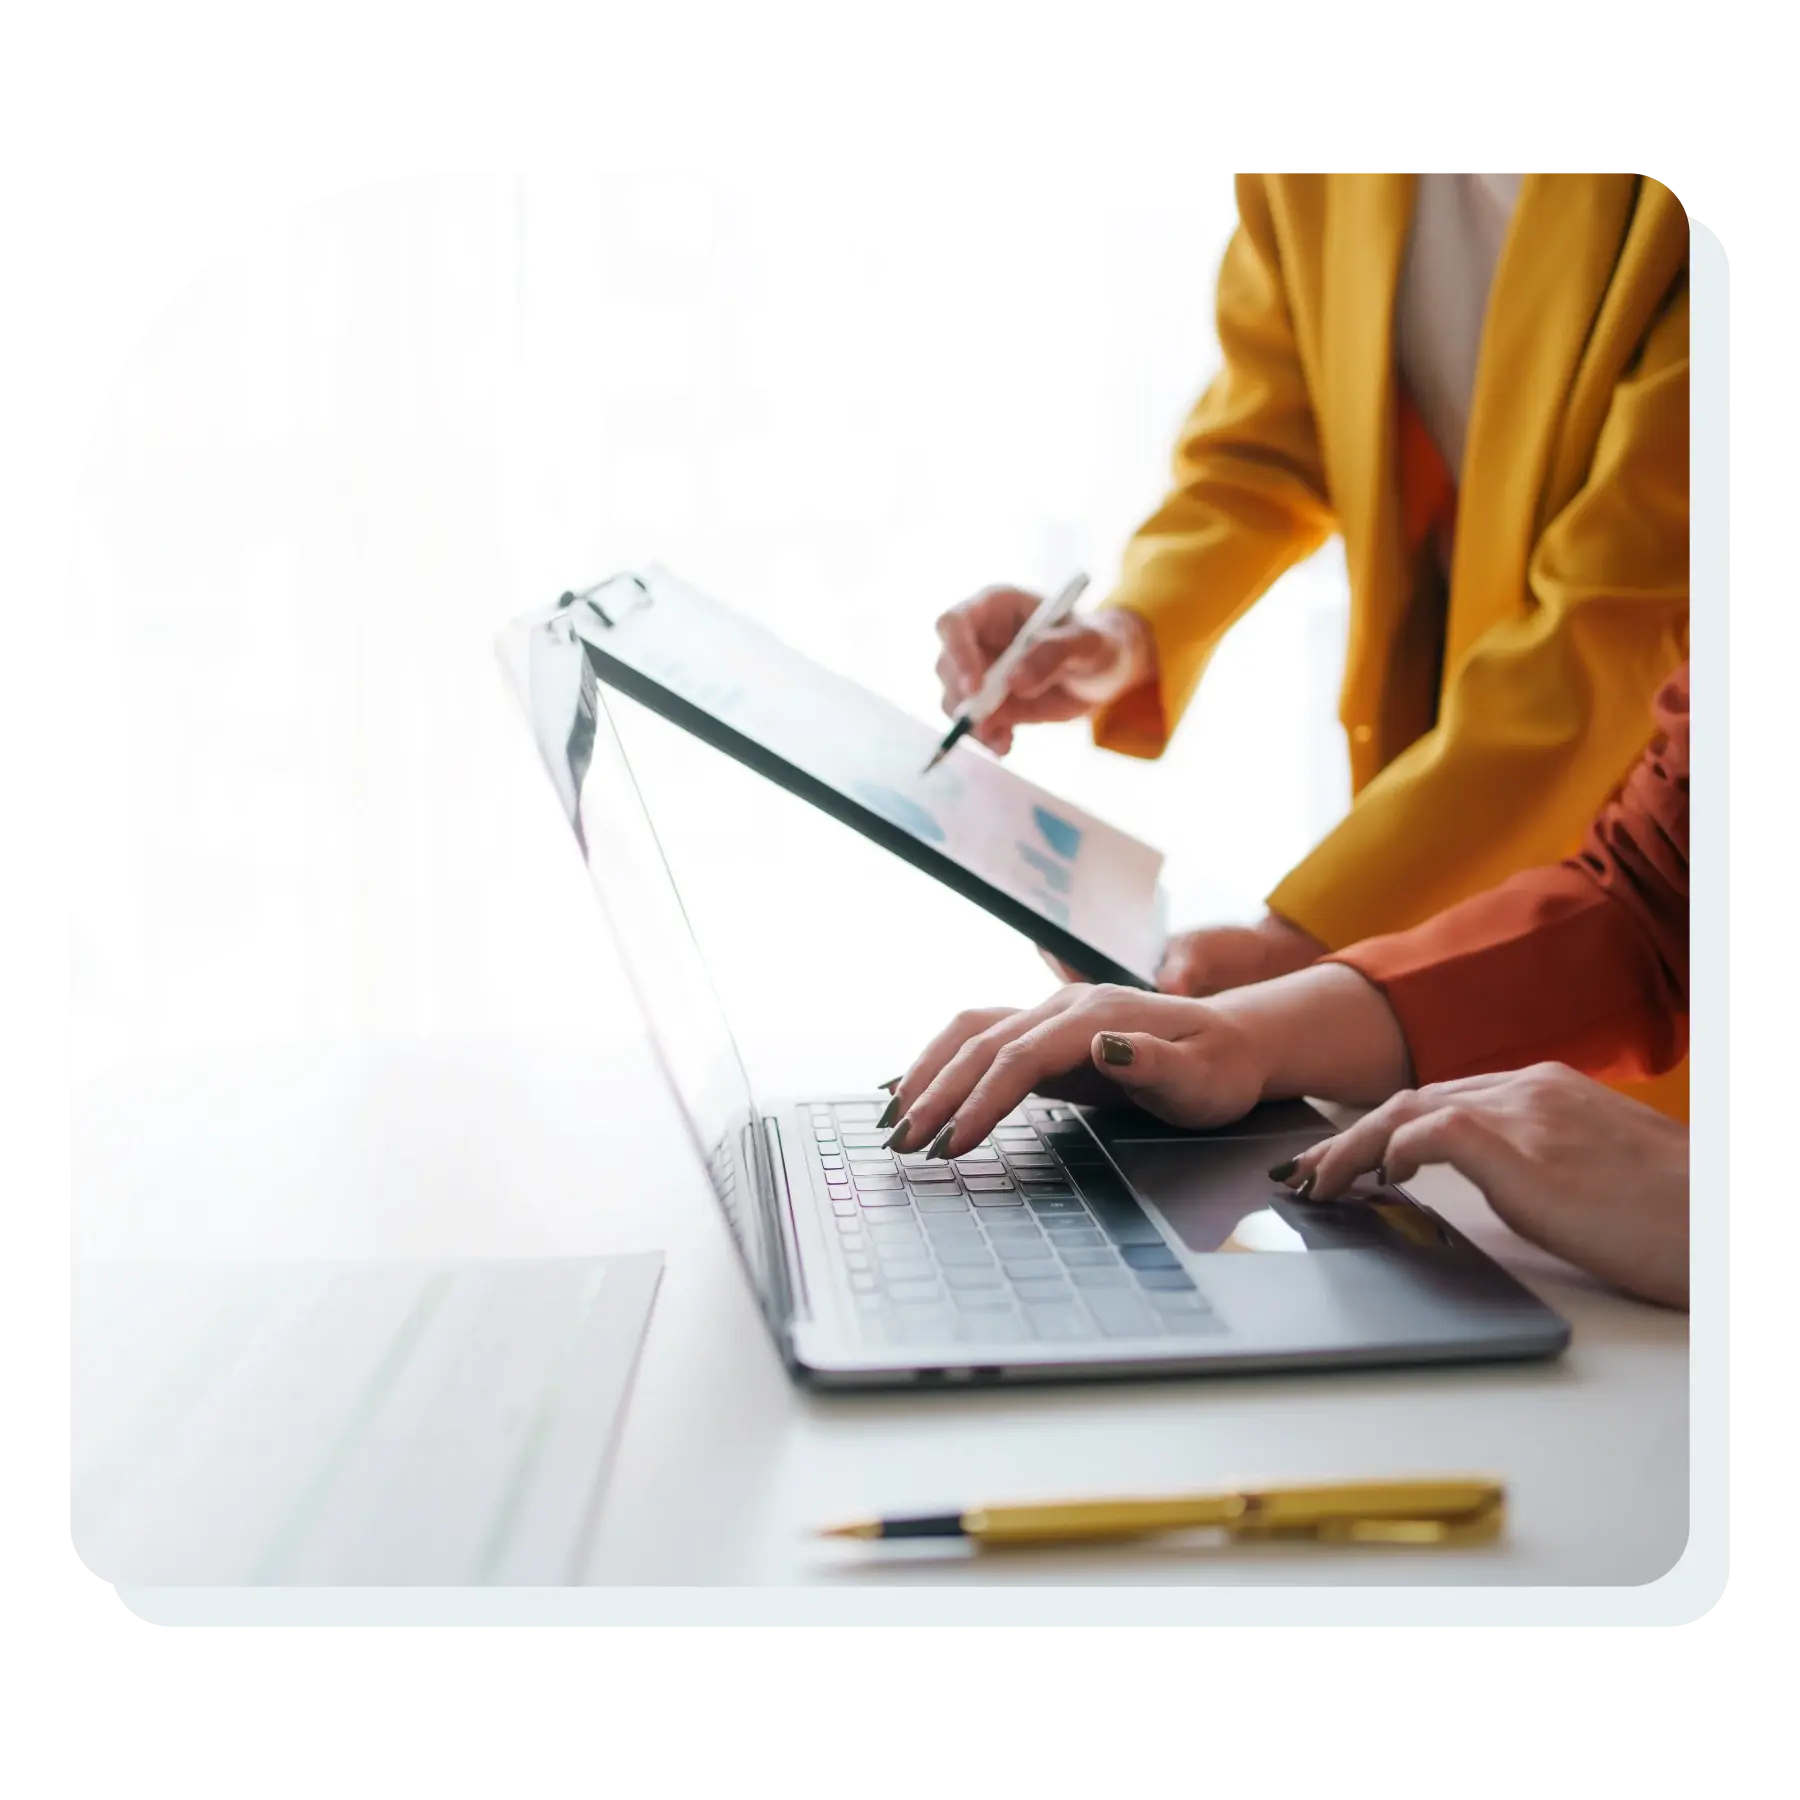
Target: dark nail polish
1381 1175
1304 1190
889 1086
896 1139
939 1147
889 1114
1282 1170
1115 1050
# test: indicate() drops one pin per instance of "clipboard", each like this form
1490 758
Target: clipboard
1086 892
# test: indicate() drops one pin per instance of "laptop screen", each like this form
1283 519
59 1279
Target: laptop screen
552 676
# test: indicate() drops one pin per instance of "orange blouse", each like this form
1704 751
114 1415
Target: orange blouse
1583 962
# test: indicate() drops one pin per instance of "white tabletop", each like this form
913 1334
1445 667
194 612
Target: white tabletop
723 1465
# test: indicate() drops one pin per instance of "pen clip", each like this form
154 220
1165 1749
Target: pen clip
1475 1521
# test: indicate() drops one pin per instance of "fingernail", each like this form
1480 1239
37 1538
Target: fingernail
939 1147
889 1115
1115 1049
1304 1190
896 1139
1381 1179
889 1086
1282 1170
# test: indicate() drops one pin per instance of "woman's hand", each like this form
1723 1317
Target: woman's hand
1595 1178
1072 671
1217 958
1187 1063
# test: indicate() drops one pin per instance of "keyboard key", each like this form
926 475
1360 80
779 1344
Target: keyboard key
1079 1257
1113 1275
942 1204
914 1293
955 1253
930 1178
951 1227
863 1284
1177 1301
922 1327
1121 1314
1059 1322
1026 1255
895 1231
1014 1230
1150 1256
1194 1324
995 1201
845 1209
855 1260
984 1276
873 1183
1041 1287
883 1197
850 1227
864 1140
1055 1203
1172 1279
1071 1231
978 1162
989 1184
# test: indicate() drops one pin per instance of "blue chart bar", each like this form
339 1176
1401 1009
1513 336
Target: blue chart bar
1059 834
1055 875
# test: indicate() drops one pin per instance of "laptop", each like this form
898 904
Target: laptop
1073 1244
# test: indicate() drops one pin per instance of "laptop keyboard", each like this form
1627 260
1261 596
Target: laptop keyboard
1029 1236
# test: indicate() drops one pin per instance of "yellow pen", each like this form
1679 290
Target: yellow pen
1434 1511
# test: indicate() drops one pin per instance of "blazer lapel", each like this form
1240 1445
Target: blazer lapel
1366 224
1555 268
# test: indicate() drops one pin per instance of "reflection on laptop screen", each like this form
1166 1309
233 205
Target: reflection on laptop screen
551 675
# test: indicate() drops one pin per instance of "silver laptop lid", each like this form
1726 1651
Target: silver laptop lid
552 674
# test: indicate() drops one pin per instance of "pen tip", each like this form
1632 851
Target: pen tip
863 1528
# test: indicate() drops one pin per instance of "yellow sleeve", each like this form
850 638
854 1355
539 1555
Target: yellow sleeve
1549 710
1249 497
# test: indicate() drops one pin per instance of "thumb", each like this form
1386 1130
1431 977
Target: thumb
1176 1081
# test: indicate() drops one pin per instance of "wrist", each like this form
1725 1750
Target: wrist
1134 642
1322 1032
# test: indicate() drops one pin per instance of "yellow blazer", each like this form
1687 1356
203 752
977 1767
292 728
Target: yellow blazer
1568 586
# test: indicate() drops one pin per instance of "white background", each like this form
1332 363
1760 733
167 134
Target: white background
375 428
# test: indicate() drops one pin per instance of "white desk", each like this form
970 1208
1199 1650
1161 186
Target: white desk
493 1149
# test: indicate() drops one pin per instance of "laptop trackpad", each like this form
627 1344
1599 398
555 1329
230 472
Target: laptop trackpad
1217 1196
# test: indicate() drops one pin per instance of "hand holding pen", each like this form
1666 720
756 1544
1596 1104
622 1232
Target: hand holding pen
1063 667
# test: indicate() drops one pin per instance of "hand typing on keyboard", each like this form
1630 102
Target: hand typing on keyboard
1180 1059
1323 1031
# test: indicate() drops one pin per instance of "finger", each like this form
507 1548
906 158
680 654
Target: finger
973 1095
950 680
1466 1135
931 1100
1332 1166
968 661
1047 708
924 1068
1183 1080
